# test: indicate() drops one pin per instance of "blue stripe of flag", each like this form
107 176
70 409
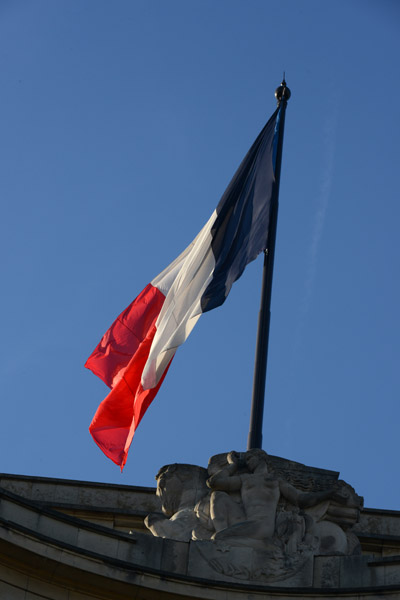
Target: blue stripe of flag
240 230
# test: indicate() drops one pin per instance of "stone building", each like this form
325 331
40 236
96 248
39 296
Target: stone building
74 540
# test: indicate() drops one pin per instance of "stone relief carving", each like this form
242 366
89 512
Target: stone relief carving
256 517
180 488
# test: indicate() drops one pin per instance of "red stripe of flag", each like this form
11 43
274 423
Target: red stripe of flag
119 360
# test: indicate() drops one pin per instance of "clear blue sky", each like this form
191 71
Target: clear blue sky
121 125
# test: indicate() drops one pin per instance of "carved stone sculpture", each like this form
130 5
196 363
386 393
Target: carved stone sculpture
281 513
180 487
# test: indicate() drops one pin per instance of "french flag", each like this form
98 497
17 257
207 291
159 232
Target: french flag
134 355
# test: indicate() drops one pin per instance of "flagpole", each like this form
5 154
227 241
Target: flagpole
282 95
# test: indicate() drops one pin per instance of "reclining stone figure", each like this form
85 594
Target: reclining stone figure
239 501
254 519
180 487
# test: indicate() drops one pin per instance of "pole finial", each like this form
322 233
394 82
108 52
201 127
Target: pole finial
282 92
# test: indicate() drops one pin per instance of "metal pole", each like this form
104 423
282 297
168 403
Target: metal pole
282 94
